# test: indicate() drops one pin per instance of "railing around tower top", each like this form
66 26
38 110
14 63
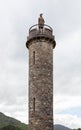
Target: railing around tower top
36 26
45 31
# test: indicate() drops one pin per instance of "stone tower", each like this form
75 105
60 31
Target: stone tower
40 43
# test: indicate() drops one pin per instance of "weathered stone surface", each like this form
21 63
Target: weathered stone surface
41 84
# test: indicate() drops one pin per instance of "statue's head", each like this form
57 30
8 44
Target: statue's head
41 15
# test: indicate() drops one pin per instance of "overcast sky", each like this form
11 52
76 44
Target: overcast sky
64 16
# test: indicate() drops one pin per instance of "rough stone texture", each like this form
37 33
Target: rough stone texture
41 84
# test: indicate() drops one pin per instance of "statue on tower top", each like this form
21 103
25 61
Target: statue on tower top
41 22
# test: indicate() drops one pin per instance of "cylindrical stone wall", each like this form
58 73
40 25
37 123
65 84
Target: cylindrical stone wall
41 85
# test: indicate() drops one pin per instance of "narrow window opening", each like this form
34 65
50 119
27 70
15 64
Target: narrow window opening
33 57
34 104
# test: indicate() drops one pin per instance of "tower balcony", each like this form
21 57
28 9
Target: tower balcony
36 33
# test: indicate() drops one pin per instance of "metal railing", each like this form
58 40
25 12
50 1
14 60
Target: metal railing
36 26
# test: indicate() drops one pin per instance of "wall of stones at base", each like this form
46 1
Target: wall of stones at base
43 125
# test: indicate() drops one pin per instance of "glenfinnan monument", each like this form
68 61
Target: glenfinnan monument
40 43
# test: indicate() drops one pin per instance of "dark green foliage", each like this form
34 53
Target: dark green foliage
8 121
10 127
77 129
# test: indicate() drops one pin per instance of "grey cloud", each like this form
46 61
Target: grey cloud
68 71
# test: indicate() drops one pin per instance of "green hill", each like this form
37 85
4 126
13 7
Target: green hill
10 127
61 127
6 121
